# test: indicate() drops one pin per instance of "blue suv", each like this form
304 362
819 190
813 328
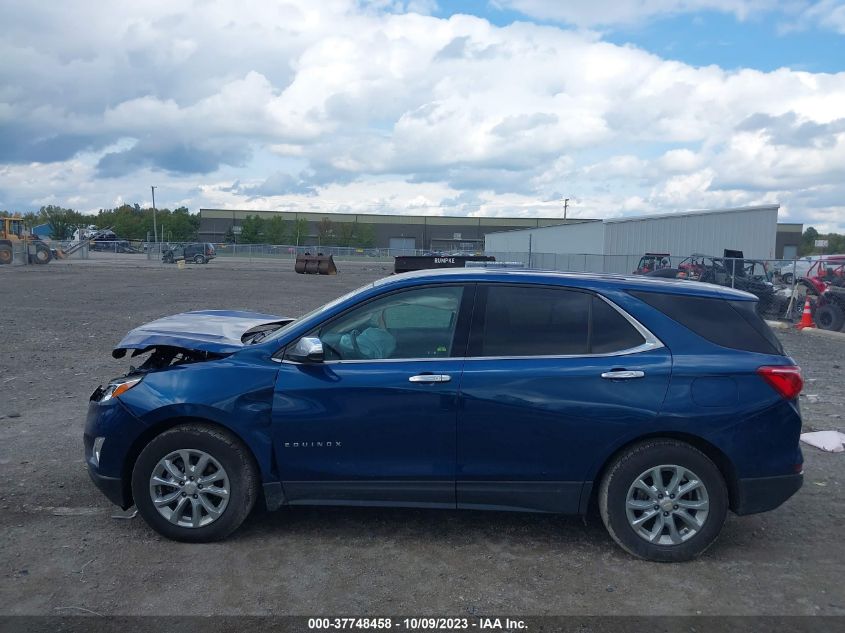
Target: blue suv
663 403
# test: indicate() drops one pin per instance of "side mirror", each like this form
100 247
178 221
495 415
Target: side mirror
308 349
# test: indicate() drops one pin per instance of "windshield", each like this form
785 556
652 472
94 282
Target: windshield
315 313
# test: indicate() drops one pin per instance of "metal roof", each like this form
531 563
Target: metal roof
660 216
371 218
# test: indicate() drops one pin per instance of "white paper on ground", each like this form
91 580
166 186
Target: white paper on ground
831 441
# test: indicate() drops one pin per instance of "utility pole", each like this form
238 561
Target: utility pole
155 229
565 207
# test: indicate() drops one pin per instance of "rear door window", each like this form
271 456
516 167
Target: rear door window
547 321
610 331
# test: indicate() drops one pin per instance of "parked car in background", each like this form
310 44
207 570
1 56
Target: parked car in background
199 253
662 403
790 271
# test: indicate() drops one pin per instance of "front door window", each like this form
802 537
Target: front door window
416 323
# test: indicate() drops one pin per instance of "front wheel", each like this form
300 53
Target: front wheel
42 255
194 483
663 500
199 259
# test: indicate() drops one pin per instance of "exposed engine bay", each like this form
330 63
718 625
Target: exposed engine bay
165 356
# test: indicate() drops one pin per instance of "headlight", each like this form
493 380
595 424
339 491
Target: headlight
117 387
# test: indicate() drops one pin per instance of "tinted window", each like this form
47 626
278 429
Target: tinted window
525 321
733 324
610 331
417 323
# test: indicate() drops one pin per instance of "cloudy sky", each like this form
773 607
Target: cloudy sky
474 107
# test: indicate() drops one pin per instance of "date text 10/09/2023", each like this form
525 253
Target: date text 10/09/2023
417 624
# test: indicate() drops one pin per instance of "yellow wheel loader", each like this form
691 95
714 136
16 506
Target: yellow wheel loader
12 232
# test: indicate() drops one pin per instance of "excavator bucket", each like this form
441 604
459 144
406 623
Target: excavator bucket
319 264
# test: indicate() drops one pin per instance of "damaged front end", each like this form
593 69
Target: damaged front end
173 375
183 339
160 358
214 331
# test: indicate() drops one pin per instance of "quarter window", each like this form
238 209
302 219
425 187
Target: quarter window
733 324
417 323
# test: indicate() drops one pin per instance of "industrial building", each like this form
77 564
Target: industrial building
400 233
615 245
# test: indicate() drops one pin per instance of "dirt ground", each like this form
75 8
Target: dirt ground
61 552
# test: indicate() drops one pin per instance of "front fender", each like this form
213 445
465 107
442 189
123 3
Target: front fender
235 395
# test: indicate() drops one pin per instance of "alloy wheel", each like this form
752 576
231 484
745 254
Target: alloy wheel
189 488
667 505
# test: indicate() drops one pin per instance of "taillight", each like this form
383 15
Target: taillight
786 380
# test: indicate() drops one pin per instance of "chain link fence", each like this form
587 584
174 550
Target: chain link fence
782 286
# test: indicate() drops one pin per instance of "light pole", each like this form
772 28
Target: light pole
565 207
155 229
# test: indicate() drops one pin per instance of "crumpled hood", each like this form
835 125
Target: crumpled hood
217 331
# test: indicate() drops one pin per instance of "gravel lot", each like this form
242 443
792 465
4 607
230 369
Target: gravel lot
61 552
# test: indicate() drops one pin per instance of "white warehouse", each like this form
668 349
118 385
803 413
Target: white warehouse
615 245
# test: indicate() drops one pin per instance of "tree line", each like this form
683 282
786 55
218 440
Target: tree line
129 222
835 242
255 229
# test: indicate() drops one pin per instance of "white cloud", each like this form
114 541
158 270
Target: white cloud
372 109
827 14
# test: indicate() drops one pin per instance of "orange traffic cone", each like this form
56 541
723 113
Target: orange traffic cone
806 317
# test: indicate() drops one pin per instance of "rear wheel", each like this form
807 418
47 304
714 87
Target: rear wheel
5 254
663 500
787 279
194 483
829 317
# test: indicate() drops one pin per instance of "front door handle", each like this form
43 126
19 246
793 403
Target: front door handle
622 374
430 378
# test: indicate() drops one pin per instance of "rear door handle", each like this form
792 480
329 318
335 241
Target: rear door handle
430 378
622 374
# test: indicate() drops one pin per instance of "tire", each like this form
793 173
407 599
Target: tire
829 317
224 450
199 259
42 255
618 486
5 254
787 279
168 258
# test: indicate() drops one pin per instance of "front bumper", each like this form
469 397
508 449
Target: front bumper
761 494
112 487
120 429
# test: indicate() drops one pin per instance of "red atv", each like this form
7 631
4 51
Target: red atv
824 285
694 266
653 261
